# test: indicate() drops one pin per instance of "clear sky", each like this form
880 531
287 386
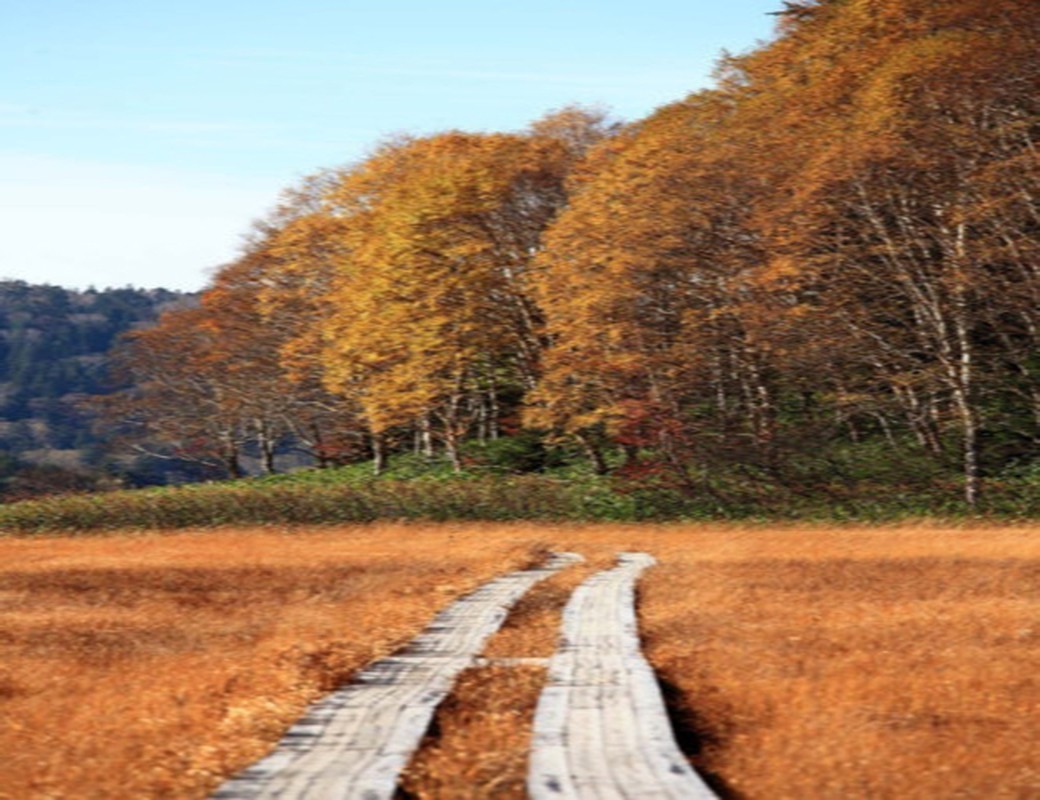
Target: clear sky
140 138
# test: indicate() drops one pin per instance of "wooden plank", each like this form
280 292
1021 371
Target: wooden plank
601 729
510 662
354 743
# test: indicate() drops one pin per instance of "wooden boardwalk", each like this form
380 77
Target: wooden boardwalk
601 730
355 742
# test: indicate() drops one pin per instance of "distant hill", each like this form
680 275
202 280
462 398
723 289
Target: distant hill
54 346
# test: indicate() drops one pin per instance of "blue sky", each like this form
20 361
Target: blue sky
139 139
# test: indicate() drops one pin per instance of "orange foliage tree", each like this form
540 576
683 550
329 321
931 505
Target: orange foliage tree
210 384
430 320
846 223
642 282
911 219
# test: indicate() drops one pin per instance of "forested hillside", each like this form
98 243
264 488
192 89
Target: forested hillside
53 356
822 275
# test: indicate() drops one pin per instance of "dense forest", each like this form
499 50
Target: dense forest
54 346
822 273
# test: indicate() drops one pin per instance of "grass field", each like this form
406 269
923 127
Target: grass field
801 662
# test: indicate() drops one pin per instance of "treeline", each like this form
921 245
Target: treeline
823 271
53 357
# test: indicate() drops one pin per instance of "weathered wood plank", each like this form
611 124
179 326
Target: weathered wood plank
355 742
601 730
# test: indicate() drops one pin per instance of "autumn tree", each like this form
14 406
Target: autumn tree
847 222
177 406
214 384
292 257
641 280
430 320
908 228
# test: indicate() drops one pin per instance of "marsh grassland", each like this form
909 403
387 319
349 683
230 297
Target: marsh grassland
800 662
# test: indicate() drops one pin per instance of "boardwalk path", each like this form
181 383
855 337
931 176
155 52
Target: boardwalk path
355 742
601 730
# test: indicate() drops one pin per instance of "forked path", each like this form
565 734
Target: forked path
355 742
601 730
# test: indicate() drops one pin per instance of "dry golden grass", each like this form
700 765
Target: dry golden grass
804 662
897 663
154 666
477 748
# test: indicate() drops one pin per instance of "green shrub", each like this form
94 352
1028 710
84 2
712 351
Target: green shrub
521 453
351 496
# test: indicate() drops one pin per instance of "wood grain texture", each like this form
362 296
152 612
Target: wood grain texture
601 730
355 742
